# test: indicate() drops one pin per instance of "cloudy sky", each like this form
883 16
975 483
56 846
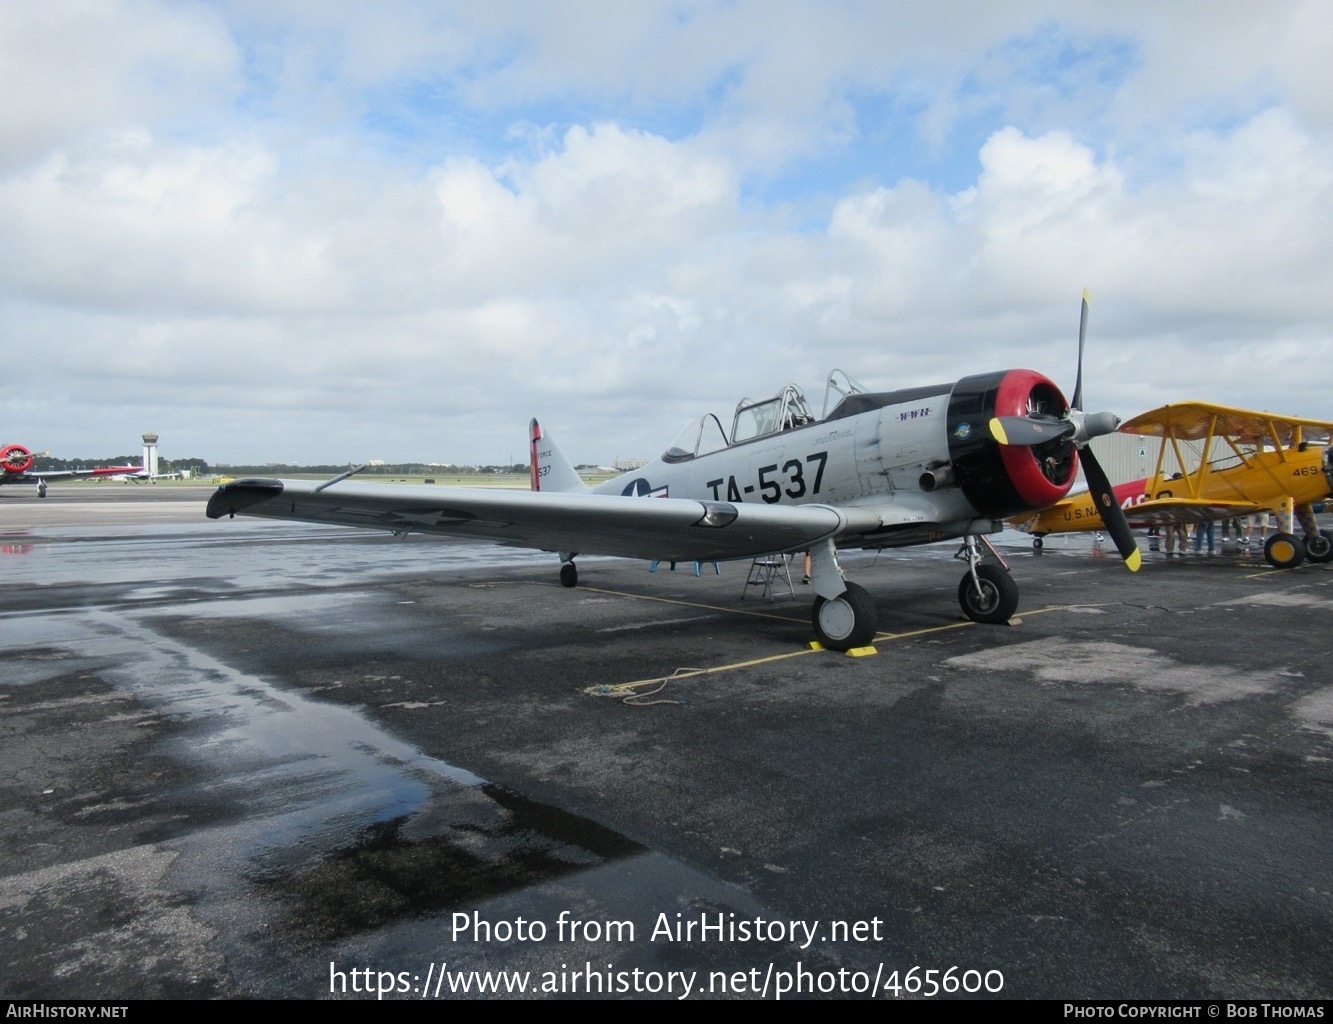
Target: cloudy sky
327 232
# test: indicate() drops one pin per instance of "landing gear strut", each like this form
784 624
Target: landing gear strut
987 593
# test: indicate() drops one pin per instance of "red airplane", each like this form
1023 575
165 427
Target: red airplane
16 465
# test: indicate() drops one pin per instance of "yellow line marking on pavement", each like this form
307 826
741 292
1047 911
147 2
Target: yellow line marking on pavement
693 604
621 689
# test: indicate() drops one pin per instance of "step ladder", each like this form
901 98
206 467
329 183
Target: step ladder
770 572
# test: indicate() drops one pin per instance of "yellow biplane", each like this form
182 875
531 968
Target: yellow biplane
1215 462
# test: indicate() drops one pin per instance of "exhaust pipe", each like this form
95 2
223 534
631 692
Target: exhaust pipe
941 476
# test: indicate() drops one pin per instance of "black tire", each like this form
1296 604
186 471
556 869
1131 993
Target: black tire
997 600
1038 543
1284 551
569 575
846 621
1319 548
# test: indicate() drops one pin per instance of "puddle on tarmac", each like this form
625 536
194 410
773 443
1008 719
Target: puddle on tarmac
500 845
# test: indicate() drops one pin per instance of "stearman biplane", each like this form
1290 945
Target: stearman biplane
1217 462
878 470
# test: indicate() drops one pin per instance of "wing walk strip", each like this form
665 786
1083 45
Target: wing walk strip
628 688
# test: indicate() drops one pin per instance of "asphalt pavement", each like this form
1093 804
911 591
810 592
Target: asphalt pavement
244 758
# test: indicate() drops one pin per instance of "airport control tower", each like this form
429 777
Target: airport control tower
150 455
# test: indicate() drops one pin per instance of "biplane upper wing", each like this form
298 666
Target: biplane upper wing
679 529
1198 421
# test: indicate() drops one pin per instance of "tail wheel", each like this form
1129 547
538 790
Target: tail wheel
992 598
1319 548
1284 551
846 621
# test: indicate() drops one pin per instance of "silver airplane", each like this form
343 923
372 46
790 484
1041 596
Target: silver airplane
877 470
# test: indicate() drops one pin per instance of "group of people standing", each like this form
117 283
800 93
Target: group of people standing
1178 535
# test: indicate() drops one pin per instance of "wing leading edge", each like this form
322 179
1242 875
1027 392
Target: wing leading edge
679 529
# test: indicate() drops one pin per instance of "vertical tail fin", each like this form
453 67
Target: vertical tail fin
551 471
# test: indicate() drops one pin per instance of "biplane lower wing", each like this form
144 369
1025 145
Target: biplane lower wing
1187 511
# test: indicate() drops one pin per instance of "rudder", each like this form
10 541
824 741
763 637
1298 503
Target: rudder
551 471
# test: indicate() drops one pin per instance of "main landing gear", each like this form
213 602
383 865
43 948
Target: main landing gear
846 621
1319 547
569 572
1286 550
986 593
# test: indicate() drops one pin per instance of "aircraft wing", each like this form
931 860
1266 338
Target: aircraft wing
1174 511
1197 421
678 529
80 474
39 477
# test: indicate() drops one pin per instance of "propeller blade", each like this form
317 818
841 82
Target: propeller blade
1113 516
1082 334
1029 431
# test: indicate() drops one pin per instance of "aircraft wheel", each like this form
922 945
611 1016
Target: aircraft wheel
997 599
846 621
1319 548
569 575
1038 543
41 490
1284 551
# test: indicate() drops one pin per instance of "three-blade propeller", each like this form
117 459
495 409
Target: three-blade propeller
1080 427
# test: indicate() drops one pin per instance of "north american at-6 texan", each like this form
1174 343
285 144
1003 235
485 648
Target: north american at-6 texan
16 464
878 470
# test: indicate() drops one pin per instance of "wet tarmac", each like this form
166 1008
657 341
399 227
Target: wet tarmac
259 759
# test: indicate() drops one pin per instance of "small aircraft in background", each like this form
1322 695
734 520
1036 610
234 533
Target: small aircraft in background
16 468
1217 462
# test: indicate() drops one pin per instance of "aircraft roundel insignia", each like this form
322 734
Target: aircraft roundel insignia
641 488
637 488
963 431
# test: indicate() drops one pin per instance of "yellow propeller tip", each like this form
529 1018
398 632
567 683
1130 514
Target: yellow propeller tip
997 432
1134 560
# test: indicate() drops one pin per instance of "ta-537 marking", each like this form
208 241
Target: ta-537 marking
772 485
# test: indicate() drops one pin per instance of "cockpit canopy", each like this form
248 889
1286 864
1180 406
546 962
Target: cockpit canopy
698 438
756 417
